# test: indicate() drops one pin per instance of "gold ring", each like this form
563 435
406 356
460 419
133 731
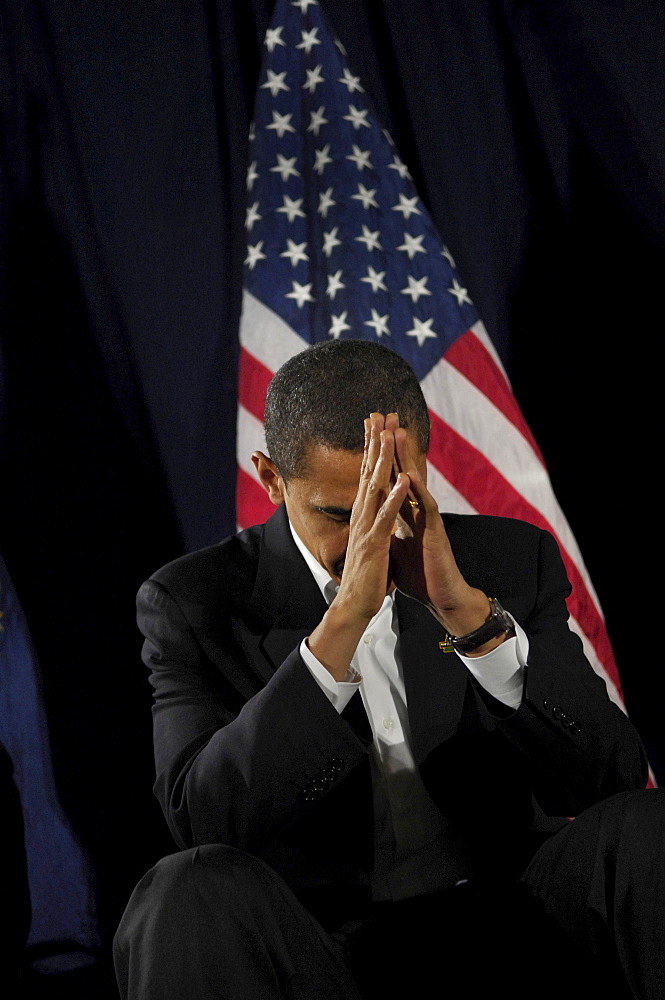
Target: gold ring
414 503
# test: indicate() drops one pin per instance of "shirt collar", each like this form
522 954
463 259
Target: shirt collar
324 581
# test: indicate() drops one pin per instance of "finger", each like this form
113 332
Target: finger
387 514
423 497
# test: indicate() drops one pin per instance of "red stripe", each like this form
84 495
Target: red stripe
252 503
470 357
491 493
253 384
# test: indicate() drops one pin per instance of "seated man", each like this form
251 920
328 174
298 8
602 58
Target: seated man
371 723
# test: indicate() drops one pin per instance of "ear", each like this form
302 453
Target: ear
269 477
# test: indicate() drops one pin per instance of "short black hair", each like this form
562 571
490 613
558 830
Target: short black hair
322 396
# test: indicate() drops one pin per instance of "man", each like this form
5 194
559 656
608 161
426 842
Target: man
369 723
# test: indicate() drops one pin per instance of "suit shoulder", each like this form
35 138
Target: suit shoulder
224 571
479 525
497 538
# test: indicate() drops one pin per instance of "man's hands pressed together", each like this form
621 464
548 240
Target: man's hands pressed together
396 536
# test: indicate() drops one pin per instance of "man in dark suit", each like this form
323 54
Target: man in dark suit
371 723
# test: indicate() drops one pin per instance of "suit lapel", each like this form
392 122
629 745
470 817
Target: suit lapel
435 682
285 599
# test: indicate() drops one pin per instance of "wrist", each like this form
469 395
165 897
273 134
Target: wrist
335 639
467 613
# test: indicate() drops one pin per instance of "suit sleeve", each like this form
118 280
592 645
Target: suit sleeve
231 769
578 745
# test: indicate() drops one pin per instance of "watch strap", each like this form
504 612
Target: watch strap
497 623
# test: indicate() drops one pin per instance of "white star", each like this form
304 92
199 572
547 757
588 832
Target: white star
375 279
313 79
407 206
460 293
334 284
321 158
421 331
275 83
352 83
252 216
285 167
254 255
301 293
281 123
380 323
274 37
252 175
330 241
416 288
371 240
449 257
400 167
291 208
357 117
367 197
316 120
339 46
303 4
338 325
360 158
295 252
412 245
389 138
326 201
251 135
309 40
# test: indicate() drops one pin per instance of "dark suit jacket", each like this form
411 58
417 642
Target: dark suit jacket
250 752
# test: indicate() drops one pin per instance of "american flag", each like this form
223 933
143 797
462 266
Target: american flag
340 245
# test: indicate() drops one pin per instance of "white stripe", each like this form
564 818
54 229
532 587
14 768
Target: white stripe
474 417
596 663
445 494
265 334
249 438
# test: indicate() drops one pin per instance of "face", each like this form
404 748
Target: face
319 503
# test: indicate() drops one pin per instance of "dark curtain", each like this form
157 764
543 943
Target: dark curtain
534 132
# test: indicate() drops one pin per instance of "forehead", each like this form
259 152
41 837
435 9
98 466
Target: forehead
331 477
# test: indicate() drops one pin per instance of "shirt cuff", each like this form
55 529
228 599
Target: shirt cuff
501 671
339 693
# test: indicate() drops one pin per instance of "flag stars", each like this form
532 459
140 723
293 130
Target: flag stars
422 330
412 245
274 38
309 40
416 288
322 159
360 158
275 82
366 197
326 201
295 252
330 241
352 83
254 255
252 216
338 325
407 206
357 117
300 293
375 279
316 120
252 175
379 323
285 167
400 167
281 124
291 208
335 284
304 4
370 239
449 257
460 293
314 78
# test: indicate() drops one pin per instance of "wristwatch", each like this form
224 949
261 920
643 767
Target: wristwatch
499 622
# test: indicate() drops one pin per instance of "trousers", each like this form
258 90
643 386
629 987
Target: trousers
587 916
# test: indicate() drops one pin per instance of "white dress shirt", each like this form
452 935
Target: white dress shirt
410 833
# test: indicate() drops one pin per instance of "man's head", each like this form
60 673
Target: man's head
314 421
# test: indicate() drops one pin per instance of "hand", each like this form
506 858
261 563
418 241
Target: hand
366 576
423 565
